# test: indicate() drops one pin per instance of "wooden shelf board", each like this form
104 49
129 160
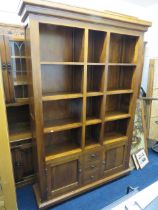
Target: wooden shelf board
96 64
19 131
59 125
114 136
18 83
18 56
20 136
62 150
122 64
123 139
93 121
94 94
116 115
19 103
61 63
114 92
53 97
91 143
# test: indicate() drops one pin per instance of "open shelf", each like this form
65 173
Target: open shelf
20 82
61 143
64 95
61 43
90 94
19 131
120 91
96 46
93 109
18 122
60 80
117 106
114 130
62 63
62 114
92 135
123 49
114 115
96 64
95 76
122 64
19 102
63 124
120 78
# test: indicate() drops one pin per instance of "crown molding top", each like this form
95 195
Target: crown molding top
41 7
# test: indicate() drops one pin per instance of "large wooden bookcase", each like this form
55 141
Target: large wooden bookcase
85 70
14 72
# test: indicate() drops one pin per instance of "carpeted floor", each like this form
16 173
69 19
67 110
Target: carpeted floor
102 196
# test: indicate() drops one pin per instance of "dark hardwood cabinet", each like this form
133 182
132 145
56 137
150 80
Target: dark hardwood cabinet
84 70
12 48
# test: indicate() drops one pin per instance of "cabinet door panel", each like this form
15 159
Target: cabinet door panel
115 155
4 69
9 70
63 177
22 157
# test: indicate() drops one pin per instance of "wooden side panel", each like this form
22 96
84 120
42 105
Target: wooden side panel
6 173
35 94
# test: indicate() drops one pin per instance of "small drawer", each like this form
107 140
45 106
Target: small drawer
93 156
92 166
91 176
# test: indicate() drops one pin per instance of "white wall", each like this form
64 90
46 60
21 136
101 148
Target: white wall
8 14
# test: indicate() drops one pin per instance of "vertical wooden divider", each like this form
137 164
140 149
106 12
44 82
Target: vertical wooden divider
104 85
37 89
84 88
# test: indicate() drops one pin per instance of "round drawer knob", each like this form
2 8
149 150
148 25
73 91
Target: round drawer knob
92 177
93 155
93 166
80 170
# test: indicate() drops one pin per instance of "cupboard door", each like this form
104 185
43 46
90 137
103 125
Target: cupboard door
18 68
9 69
115 155
64 176
5 72
22 157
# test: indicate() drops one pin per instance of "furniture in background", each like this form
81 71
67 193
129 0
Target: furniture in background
152 101
7 187
85 70
12 46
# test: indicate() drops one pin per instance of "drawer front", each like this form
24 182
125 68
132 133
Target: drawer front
93 156
91 166
91 176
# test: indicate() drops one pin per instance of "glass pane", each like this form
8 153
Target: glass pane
17 48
